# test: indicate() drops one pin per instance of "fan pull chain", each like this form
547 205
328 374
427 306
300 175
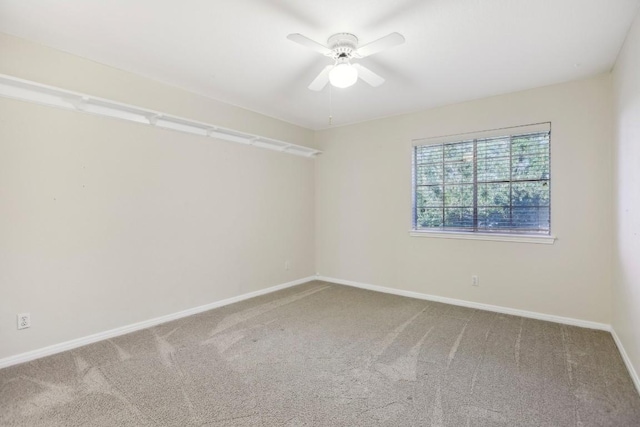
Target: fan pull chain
330 105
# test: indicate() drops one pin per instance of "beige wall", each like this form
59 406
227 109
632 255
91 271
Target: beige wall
363 207
626 284
105 223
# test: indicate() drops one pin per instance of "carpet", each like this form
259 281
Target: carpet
329 355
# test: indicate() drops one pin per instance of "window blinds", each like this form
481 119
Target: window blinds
496 181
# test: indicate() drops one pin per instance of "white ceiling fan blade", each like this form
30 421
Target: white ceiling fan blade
385 42
307 42
368 76
321 81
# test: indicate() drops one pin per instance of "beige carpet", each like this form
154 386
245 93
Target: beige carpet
330 355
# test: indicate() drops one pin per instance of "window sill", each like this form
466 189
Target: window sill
519 238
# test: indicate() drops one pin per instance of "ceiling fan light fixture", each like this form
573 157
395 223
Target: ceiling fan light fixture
342 47
343 75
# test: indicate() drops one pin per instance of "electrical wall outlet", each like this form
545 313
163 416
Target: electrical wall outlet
475 281
24 320
287 264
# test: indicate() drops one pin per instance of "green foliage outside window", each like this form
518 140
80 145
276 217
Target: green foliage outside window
497 184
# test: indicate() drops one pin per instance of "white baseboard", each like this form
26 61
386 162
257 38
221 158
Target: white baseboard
470 304
627 361
79 342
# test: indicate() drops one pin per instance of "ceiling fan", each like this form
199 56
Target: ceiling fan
342 48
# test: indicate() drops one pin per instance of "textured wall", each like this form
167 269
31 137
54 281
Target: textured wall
105 222
626 284
363 206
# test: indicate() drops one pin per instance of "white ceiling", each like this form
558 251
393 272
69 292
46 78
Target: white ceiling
237 51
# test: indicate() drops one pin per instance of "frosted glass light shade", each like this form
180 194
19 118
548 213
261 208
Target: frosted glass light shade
343 75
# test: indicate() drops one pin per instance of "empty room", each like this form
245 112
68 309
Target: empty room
320 213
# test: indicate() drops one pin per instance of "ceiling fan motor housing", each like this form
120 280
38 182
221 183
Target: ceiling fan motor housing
342 45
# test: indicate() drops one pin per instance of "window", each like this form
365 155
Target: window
490 182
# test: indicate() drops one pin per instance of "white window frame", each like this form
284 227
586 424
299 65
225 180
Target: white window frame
471 234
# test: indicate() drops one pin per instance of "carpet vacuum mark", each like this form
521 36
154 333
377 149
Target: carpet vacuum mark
329 355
